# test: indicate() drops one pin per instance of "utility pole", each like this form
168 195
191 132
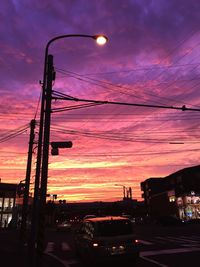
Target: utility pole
23 234
35 207
45 157
38 225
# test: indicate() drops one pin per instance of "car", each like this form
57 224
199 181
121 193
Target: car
131 218
75 220
169 221
89 216
193 221
63 226
105 239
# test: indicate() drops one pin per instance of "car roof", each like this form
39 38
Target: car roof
89 216
106 218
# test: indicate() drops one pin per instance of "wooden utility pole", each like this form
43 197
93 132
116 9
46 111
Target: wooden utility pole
45 157
23 234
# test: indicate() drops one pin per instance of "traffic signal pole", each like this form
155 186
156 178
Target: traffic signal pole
23 229
35 207
38 226
45 158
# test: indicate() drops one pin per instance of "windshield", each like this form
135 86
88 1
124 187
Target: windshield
115 227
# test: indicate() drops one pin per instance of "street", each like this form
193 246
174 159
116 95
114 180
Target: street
170 246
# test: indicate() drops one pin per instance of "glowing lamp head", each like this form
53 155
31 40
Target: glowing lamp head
101 39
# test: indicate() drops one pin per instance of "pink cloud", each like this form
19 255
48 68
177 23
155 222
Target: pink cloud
152 57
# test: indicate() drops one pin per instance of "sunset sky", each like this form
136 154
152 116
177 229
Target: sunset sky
152 58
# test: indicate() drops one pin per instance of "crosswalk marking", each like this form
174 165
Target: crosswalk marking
63 262
145 242
173 239
168 251
65 246
166 238
176 239
189 244
196 237
50 247
184 241
73 261
180 239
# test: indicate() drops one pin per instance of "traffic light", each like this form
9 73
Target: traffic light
56 145
67 144
54 152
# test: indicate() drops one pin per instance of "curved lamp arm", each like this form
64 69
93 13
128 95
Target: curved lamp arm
100 39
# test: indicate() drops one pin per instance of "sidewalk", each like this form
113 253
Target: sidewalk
14 254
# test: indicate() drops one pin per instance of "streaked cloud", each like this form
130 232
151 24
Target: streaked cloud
152 58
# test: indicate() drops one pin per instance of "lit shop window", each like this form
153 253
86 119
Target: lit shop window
11 202
193 200
172 199
8 203
6 218
1 203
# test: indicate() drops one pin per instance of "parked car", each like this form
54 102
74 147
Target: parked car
130 217
63 226
193 221
106 238
89 216
168 220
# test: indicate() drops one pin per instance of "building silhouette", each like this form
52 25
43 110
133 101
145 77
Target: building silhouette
7 203
177 194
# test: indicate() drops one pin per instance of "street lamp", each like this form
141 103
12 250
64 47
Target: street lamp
101 40
43 141
124 189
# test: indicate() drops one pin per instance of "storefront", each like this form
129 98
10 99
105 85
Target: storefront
7 203
189 206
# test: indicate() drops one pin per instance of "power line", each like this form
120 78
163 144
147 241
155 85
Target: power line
37 107
131 154
13 134
156 67
183 108
125 89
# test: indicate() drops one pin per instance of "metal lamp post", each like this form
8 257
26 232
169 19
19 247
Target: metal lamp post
43 141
